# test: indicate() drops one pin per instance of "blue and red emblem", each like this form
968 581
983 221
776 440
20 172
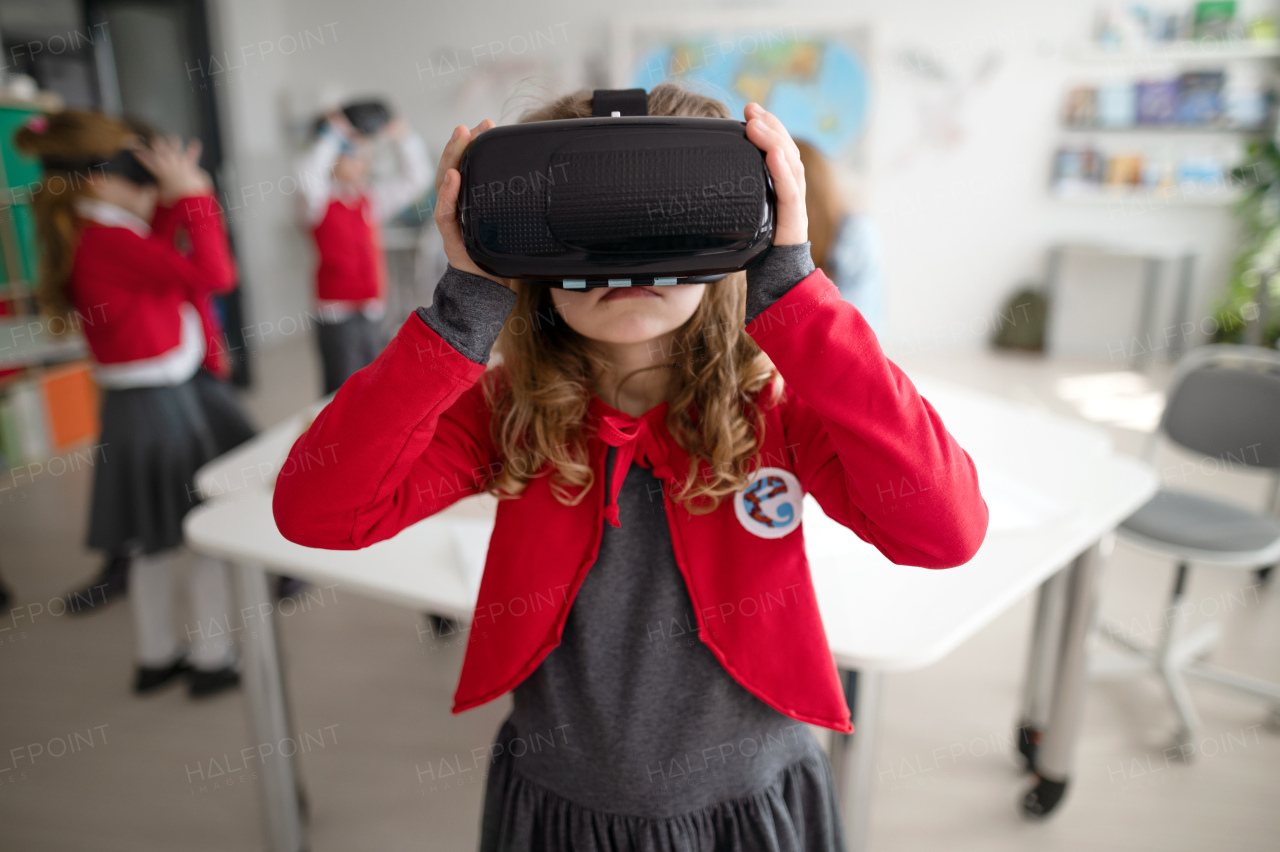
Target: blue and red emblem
770 504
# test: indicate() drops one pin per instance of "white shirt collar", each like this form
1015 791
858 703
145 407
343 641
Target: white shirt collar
105 213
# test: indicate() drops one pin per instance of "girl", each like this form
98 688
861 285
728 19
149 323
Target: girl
108 257
344 212
646 593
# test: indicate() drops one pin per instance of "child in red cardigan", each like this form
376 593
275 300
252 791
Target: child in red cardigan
654 461
344 210
111 263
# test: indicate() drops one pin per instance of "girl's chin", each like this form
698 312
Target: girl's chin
623 333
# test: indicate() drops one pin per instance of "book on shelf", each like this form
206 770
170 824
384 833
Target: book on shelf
1157 101
1200 97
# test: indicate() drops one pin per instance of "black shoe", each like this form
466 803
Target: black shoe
5 597
289 587
111 583
150 679
205 683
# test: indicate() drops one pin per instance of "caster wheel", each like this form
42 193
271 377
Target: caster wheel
443 627
1041 799
1183 741
1028 745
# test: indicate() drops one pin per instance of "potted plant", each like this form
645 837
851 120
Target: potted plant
1255 272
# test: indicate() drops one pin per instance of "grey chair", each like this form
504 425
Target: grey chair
1223 403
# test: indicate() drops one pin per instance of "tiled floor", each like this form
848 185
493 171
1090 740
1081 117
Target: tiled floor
370 696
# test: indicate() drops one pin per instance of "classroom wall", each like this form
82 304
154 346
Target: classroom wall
959 163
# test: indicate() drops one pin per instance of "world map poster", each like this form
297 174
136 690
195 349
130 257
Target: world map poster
818 84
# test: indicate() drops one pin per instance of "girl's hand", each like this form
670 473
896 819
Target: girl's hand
448 185
176 167
337 119
783 159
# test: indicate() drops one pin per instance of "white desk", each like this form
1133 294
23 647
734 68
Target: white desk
1054 486
29 342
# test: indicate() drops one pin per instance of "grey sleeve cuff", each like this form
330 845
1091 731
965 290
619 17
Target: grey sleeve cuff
778 270
468 312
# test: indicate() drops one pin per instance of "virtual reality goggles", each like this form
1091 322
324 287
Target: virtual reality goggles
122 163
619 199
367 117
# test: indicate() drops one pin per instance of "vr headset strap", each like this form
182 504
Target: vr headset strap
605 102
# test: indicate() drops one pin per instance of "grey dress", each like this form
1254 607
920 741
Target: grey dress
630 736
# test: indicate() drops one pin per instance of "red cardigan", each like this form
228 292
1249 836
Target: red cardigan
165 223
349 244
412 437
128 289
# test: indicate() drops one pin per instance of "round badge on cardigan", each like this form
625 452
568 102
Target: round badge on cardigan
770 505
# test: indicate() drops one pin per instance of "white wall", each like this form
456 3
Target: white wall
964 219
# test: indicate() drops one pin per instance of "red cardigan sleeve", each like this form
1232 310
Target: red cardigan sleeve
154 262
403 438
210 267
870 449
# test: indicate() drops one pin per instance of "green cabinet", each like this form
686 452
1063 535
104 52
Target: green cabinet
19 178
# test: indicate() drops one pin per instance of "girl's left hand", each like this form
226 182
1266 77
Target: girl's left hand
783 159
176 167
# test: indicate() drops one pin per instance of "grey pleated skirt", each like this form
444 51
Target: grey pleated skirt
222 411
796 812
153 442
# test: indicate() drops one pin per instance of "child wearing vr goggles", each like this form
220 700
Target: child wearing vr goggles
110 211
646 595
344 211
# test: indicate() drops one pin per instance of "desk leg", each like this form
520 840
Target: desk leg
853 756
1186 269
1037 685
268 715
1154 272
1066 709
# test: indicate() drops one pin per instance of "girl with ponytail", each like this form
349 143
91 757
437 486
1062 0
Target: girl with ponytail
108 212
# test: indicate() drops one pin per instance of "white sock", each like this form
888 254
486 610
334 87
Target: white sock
211 605
151 595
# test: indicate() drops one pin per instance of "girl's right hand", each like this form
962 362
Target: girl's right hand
448 185
176 167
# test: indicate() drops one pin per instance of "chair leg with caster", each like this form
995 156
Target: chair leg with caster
1041 799
1170 665
1028 739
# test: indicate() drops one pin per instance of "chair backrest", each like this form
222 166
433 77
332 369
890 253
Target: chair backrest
1224 401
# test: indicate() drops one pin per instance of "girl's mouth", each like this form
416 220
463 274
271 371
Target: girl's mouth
617 293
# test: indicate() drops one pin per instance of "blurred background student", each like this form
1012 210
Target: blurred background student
228 424
846 244
345 206
109 218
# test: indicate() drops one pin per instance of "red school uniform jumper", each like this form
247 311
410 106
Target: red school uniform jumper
351 268
166 224
129 287
414 437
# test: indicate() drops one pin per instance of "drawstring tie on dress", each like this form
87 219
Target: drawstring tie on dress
626 435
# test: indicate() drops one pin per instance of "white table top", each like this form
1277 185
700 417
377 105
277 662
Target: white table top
26 342
1053 485
255 464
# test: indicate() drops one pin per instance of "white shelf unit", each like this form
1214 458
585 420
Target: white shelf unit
1166 130
1183 52
1133 61
1146 199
